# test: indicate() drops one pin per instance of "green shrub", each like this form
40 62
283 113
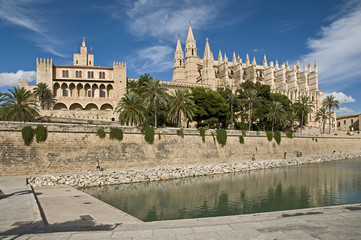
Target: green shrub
289 134
244 133
28 135
316 140
180 132
284 155
241 126
202 132
348 133
116 133
41 134
313 139
241 139
148 132
269 136
159 137
221 136
277 137
90 121
101 133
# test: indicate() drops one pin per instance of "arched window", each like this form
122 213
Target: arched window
79 74
102 93
90 74
65 92
65 73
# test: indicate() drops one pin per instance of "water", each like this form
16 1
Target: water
304 186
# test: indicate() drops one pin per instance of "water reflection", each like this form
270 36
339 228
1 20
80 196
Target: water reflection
320 184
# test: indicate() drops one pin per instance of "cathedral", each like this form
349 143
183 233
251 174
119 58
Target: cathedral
88 92
293 82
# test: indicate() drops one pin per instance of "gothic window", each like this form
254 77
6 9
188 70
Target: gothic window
79 74
76 62
90 93
90 74
344 122
351 121
65 93
338 124
102 93
90 62
101 75
65 73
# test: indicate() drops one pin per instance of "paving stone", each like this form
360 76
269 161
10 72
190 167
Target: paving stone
212 228
91 236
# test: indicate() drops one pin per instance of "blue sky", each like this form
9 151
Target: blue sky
144 33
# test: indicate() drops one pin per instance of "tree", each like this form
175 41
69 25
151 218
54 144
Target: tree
155 94
19 105
322 115
231 99
181 104
251 99
45 96
304 106
276 113
131 108
330 102
210 108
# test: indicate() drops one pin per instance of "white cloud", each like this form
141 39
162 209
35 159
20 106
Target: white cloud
163 20
152 59
23 14
341 97
12 79
338 49
344 110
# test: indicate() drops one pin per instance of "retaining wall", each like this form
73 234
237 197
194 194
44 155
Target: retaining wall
76 148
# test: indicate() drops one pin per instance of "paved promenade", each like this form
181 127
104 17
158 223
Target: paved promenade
67 213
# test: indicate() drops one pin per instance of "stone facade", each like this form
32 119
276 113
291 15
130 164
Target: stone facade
349 122
291 81
82 90
76 148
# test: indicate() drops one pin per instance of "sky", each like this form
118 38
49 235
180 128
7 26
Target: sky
143 33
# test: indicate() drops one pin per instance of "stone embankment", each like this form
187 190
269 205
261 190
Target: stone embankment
99 178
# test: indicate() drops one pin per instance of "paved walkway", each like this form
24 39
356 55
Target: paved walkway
79 219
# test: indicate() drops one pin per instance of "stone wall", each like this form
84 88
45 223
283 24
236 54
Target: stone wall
76 148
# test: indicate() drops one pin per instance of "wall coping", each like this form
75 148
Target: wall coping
92 128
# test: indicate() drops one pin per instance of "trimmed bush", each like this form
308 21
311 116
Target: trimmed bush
316 140
90 121
180 132
148 132
41 134
244 133
269 136
221 137
116 133
277 137
28 135
289 134
241 139
159 137
101 133
284 155
202 132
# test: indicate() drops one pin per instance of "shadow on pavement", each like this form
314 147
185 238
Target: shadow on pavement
70 226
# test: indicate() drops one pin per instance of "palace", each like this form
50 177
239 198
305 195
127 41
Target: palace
292 82
84 91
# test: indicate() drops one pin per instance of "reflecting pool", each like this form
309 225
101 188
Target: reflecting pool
303 186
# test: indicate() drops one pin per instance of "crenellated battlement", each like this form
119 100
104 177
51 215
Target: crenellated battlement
119 64
44 61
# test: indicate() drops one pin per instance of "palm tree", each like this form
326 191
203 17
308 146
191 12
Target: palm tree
181 104
155 95
322 115
276 113
251 99
131 108
19 105
291 118
305 107
231 99
45 96
330 102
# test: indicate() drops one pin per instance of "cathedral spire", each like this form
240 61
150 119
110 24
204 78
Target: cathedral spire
190 37
247 60
276 64
191 47
254 61
207 51
315 66
234 58
225 57
179 47
265 61
220 59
